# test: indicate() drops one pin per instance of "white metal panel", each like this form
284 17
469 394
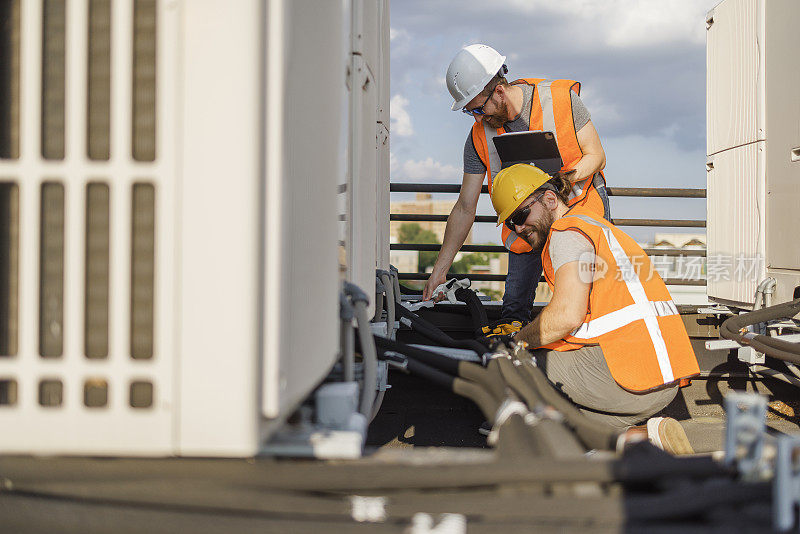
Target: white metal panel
787 284
382 74
74 428
363 176
303 311
735 222
734 74
219 228
783 134
366 37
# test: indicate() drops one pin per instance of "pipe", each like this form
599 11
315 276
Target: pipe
398 295
765 288
735 328
377 405
391 303
397 187
635 469
368 351
488 377
593 434
369 356
431 359
487 404
379 290
440 378
552 437
434 333
514 380
346 314
474 305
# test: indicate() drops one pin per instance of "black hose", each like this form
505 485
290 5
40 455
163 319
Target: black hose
518 384
431 359
474 305
369 357
487 404
434 333
699 499
429 373
777 348
593 434
488 377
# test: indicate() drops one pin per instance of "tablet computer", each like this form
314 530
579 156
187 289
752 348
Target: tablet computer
538 148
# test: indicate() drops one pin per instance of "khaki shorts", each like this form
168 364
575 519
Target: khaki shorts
583 376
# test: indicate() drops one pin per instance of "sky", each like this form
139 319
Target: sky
641 64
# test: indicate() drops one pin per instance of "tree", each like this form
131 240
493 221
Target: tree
414 233
467 261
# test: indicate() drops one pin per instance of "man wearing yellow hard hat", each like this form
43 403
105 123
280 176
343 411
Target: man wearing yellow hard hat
611 338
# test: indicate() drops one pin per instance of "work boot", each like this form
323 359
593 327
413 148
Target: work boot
668 435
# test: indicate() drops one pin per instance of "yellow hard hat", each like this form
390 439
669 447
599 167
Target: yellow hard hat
513 185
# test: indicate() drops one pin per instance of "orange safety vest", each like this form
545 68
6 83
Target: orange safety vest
631 314
551 110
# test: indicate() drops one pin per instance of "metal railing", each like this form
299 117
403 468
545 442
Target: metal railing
645 192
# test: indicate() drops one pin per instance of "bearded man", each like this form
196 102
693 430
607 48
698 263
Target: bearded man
610 339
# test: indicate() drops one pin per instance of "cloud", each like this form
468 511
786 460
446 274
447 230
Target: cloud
626 23
396 33
601 110
642 65
400 120
427 169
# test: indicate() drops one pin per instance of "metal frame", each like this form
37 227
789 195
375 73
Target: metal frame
641 192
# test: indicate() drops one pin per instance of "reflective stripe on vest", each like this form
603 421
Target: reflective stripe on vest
630 312
617 319
546 103
643 305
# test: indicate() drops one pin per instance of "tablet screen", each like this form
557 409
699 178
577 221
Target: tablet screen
538 148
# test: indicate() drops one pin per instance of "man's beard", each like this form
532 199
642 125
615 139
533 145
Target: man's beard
537 236
499 118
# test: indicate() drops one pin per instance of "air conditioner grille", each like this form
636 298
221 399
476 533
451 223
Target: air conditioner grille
9 78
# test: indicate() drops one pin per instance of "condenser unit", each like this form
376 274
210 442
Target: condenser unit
753 149
169 272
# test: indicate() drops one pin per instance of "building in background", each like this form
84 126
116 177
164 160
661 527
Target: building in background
423 205
681 267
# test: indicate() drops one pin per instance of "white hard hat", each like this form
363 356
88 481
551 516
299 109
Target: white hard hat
469 72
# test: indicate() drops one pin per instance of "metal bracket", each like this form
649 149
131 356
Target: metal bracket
383 376
716 310
786 484
417 305
508 408
746 415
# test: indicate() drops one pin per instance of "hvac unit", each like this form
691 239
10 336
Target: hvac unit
168 219
753 149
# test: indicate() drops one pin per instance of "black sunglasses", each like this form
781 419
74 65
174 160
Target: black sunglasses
479 109
519 217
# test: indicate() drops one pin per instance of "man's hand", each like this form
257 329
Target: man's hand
434 281
458 224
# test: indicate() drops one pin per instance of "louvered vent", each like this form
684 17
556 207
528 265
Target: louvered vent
98 101
9 78
9 269
53 78
80 186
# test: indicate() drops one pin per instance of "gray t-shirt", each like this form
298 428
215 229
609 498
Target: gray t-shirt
580 116
569 245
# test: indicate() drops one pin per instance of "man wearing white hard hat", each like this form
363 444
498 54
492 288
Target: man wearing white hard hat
476 81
